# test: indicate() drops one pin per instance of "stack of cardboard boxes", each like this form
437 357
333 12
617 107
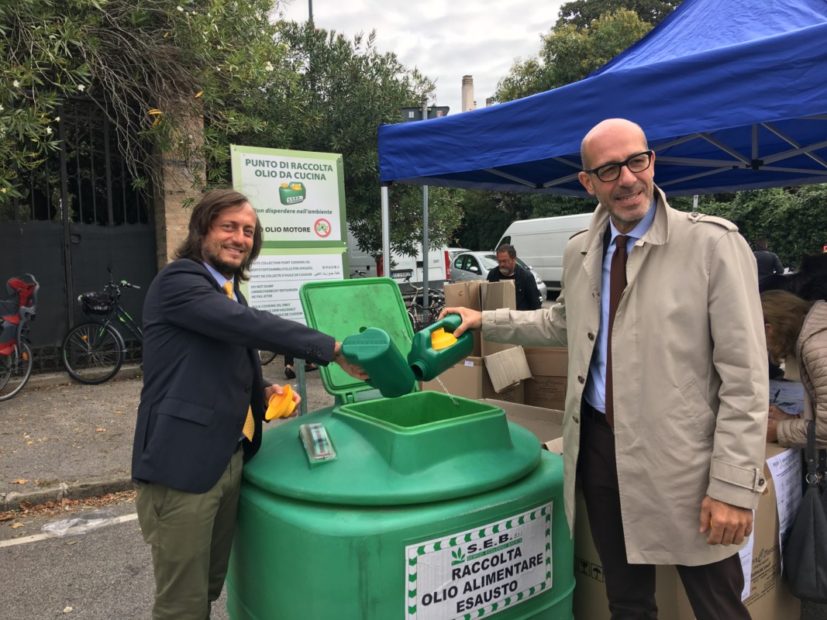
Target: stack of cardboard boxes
530 385
534 376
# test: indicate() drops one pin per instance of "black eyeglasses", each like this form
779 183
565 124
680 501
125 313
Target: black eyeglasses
610 172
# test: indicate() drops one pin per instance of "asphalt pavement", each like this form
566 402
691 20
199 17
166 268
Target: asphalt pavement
60 439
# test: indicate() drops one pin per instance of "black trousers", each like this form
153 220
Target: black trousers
714 590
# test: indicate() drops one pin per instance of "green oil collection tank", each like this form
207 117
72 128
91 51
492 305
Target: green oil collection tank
421 507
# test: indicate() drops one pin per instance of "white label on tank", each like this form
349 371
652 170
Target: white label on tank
480 572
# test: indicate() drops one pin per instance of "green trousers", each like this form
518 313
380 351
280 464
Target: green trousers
191 535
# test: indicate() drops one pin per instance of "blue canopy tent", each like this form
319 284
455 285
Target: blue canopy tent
732 95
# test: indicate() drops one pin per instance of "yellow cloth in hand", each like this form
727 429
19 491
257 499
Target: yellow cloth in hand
281 405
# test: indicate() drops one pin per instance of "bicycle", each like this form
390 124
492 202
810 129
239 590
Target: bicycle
94 351
265 357
420 316
16 314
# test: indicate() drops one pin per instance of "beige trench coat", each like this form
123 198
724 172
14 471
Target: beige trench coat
690 383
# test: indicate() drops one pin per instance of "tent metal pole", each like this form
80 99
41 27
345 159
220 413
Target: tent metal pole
426 246
386 232
425 239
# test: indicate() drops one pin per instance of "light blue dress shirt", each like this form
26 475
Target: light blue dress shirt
595 392
220 278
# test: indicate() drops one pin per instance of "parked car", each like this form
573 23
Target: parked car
476 265
451 254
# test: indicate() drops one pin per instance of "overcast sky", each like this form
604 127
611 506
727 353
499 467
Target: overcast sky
444 39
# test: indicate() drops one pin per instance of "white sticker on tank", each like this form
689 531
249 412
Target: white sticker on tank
482 571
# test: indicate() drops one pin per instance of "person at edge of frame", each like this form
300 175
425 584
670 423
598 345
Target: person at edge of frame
666 407
203 400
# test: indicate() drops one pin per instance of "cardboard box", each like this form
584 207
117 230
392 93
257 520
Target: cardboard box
466 294
463 379
507 368
769 597
513 394
482 295
547 392
546 424
495 295
548 361
470 379
549 368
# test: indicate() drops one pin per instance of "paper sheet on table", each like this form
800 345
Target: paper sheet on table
787 395
786 471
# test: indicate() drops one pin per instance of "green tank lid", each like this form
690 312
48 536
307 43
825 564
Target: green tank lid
344 308
418 448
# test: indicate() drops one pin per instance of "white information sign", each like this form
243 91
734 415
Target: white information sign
297 194
478 572
275 280
299 199
787 474
746 564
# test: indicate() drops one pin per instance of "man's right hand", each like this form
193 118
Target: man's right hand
350 368
471 319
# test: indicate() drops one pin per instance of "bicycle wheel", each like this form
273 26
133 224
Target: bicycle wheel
416 313
15 370
266 357
93 353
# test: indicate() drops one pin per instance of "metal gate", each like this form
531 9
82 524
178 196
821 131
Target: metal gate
81 216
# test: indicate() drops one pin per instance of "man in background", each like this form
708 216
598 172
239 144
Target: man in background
768 262
528 296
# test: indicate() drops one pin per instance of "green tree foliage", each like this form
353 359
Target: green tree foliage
581 13
793 220
153 65
341 92
146 64
406 220
569 53
588 34
38 67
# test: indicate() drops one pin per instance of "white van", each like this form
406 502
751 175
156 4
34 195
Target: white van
540 243
361 264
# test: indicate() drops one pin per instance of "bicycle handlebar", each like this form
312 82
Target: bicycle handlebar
112 288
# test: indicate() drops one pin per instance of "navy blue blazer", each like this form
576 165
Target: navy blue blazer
201 373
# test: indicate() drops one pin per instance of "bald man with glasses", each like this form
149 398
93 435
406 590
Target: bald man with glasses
667 382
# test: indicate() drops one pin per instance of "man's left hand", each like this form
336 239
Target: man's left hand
274 389
726 524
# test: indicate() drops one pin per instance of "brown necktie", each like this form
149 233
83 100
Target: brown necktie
617 282
249 428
